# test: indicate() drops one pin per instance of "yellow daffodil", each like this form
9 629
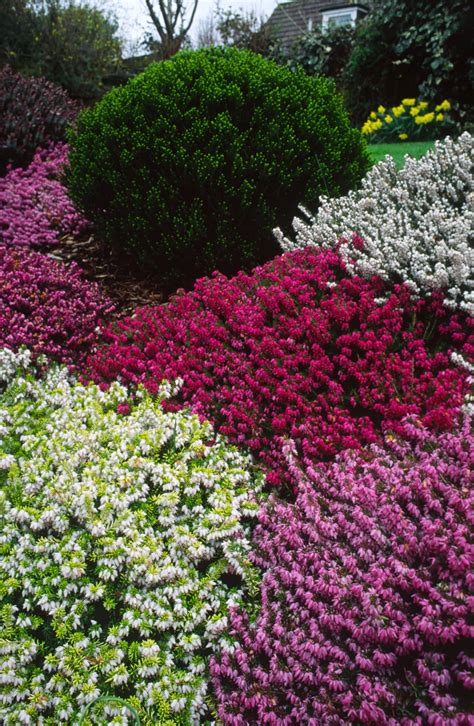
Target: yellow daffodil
373 115
422 105
388 119
398 110
426 119
440 117
381 109
443 106
415 111
403 137
409 101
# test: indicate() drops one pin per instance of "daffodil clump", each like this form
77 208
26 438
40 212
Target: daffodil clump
124 540
411 120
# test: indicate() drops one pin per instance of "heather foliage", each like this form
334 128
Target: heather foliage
47 306
33 113
413 226
298 348
366 594
190 165
124 539
34 207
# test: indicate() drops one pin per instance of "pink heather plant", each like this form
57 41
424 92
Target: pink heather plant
47 306
367 599
34 207
298 348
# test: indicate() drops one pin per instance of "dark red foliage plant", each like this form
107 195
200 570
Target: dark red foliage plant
297 349
367 593
47 307
33 113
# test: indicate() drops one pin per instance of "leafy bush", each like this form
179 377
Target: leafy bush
69 42
78 47
411 120
33 112
297 349
35 210
414 225
324 52
365 595
47 306
414 49
124 540
189 166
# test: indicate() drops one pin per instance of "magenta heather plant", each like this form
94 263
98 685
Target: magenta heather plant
34 207
297 349
47 306
366 599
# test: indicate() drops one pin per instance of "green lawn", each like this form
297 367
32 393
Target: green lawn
398 151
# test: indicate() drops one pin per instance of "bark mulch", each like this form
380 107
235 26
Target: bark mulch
124 286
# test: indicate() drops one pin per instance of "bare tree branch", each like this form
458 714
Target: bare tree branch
169 19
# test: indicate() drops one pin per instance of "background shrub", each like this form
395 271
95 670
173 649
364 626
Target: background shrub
70 42
410 48
365 595
324 52
35 210
124 540
33 112
300 349
189 166
47 306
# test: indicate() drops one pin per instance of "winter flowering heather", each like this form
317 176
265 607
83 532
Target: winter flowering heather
367 593
413 226
47 306
34 207
297 349
124 539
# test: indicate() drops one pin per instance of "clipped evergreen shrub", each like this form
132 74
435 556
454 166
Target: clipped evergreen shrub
191 164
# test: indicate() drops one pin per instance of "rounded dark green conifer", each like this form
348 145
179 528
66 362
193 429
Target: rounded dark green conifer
190 165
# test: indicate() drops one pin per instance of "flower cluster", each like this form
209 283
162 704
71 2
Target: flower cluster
411 120
47 306
365 596
297 348
124 539
34 207
416 224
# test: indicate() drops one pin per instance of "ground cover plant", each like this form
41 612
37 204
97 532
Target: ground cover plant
189 166
47 305
33 113
35 210
366 592
297 349
414 225
124 534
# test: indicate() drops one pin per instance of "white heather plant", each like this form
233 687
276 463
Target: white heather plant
415 225
124 539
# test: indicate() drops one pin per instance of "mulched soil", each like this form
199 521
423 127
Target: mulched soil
125 287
